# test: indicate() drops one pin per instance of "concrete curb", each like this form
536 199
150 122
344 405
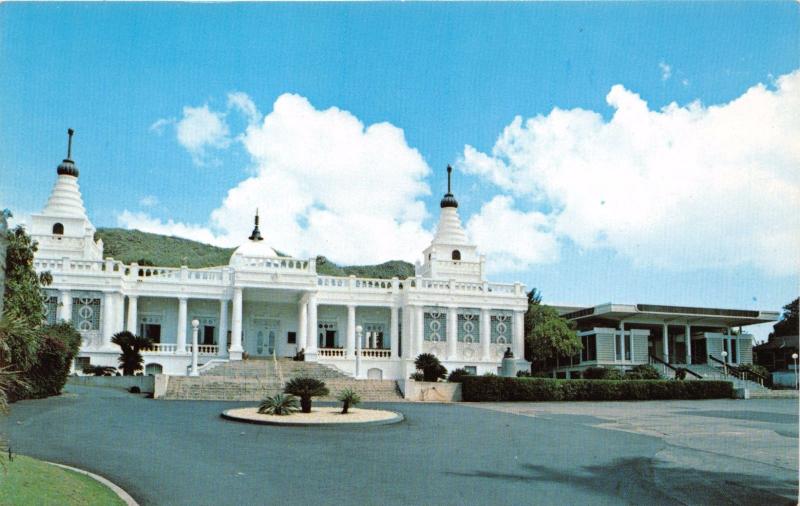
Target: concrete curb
126 497
396 419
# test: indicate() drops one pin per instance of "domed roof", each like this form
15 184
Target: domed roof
254 247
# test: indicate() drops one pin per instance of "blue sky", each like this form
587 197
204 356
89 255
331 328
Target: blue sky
447 76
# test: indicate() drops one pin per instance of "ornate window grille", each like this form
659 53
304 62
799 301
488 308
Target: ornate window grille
501 322
50 306
435 324
469 326
86 310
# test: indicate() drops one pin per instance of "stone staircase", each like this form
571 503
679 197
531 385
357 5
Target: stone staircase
252 380
710 372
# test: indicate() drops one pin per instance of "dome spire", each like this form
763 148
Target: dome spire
67 166
256 235
448 200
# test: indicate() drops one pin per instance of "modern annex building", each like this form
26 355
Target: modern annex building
262 304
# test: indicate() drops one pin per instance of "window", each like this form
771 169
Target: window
374 335
86 307
51 307
617 346
589 351
435 325
471 369
627 346
501 327
150 327
327 334
291 337
456 255
58 229
469 329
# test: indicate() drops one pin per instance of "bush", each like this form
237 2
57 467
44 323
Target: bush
602 373
348 398
306 388
417 376
643 372
755 368
458 374
493 389
680 373
99 370
431 368
278 404
58 345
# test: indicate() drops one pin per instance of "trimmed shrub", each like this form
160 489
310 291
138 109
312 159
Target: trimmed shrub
348 398
417 376
458 374
431 368
643 372
492 389
602 373
58 345
680 373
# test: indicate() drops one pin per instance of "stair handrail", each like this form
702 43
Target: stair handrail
688 371
742 373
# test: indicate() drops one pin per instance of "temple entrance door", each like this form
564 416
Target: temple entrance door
266 336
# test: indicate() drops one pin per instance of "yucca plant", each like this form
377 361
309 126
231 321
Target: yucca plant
279 404
348 398
306 388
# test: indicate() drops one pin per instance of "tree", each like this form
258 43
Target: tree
58 345
306 388
788 324
348 398
432 369
458 375
548 336
131 359
23 291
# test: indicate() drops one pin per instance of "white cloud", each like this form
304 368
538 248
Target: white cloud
148 201
666 71
242 102
324 184
201 129
512 240
159 125
684 187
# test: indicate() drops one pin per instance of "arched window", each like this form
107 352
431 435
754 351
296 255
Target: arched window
456 255
58 229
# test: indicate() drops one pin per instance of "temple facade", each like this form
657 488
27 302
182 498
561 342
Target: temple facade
265 305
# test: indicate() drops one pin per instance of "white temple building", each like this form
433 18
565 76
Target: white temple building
262 304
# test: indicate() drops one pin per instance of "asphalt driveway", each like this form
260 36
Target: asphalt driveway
182 452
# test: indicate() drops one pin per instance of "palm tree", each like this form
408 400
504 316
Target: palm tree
348 398
278 404
306 388
131 359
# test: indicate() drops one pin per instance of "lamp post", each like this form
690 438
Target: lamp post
195 328
359 331
796 378
725 362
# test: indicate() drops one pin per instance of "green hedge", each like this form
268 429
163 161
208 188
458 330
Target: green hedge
495 388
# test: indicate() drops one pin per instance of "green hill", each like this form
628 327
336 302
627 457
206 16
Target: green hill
165 251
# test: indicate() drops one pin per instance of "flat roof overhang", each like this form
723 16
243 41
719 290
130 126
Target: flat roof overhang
659 313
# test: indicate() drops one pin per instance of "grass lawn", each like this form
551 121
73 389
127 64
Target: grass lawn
29 481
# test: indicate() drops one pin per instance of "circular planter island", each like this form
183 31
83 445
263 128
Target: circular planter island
319 416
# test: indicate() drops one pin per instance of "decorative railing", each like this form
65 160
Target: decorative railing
376 353
457 266
278 264
161 348
204 349
440 285
331 352
354 283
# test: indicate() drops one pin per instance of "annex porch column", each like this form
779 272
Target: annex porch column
313 333
119 313
302 323
452 333
350 342
65 310
394 331
486 334
235 351
419 331
665 344
133 304
408 329
622 340
519 335
182 309
107 318
222 338
688 333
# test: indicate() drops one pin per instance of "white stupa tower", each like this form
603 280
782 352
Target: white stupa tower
63 229
451 255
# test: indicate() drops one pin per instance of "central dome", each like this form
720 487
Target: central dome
254 248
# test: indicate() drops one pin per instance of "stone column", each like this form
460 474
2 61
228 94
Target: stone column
394 332
622 340
408 332
665 344
302 324
119 313
222 337
133 306
107 317
519 335
351 332
182 310
195 350
688 332
452 333
65 310
313 331
486 335
235 351
419 331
